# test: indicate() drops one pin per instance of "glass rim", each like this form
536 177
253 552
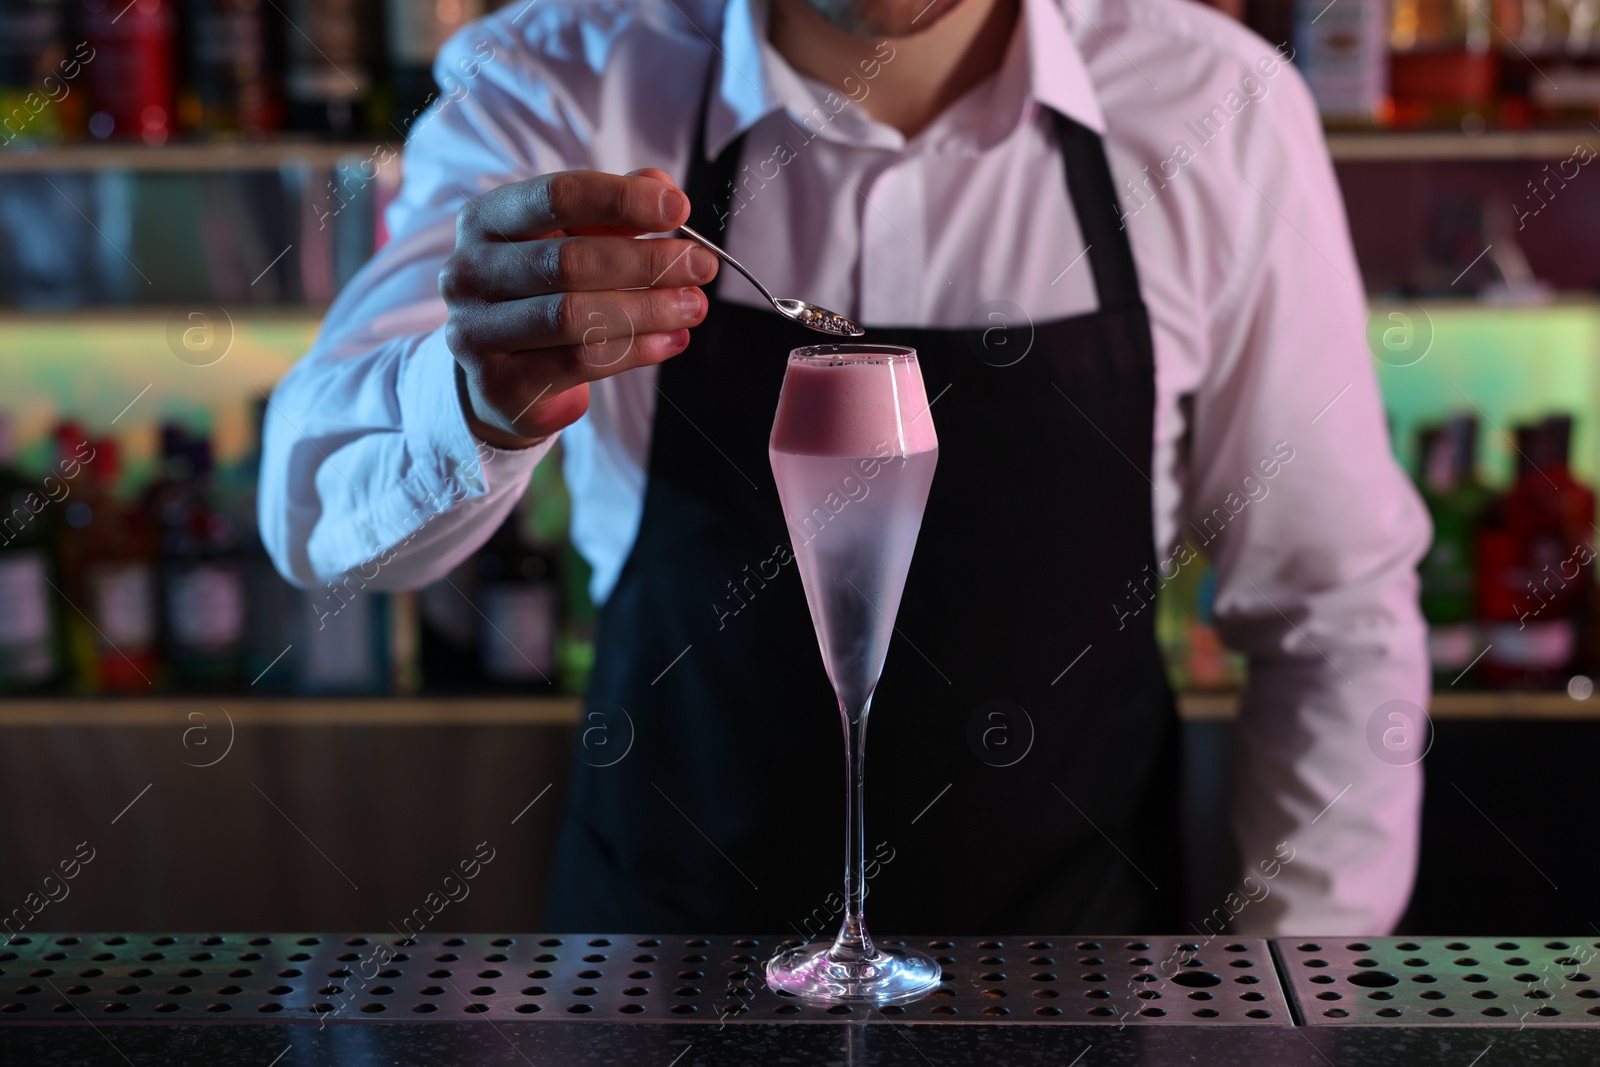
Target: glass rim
852 352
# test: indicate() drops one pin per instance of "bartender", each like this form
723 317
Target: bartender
1111 231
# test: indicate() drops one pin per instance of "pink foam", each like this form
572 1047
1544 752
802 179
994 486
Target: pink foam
853 409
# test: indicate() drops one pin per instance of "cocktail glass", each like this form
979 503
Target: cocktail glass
853 452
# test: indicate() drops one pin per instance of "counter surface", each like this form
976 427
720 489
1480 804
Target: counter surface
881 1043
678 1001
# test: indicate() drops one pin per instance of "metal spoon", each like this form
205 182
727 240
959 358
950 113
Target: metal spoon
810 315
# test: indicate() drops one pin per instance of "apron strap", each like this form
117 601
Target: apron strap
710 182
1083 153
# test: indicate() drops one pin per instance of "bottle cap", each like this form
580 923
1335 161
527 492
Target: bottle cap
1557 439
1464 429
107 461
1530 449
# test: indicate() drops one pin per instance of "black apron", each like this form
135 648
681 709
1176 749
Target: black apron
1016 635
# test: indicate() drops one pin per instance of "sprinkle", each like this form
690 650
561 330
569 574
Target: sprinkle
824 321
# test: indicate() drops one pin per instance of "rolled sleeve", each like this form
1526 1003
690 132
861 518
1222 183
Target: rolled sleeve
453 491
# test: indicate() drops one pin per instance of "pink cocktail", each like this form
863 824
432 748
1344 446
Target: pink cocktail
853 452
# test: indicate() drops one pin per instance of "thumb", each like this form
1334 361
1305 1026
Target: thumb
653 172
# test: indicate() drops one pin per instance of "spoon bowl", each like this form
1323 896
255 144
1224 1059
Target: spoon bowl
817 318
811 316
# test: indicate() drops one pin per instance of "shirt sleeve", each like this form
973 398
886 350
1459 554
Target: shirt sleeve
368 464
1315 533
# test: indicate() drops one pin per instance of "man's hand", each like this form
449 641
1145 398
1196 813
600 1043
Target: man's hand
548 290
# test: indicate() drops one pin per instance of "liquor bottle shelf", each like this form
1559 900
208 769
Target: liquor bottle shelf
152 317
1348 146
1396 146
308 711
198 157
567 711
1478 705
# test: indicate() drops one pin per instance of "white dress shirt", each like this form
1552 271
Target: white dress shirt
1245 263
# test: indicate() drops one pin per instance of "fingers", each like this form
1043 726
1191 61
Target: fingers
575 198
577 364
500 271
530 393
607 325
526 407
645 172
548 289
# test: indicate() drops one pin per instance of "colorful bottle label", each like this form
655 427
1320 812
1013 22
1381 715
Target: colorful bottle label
122 605
1547 645
205 606
519 639
326 58
1453 646
132 72
1344 55
25 652
341 653
417 28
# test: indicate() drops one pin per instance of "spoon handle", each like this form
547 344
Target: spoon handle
707 244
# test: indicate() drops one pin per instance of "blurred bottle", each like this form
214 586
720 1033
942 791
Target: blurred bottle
1577 512
344 643
78 639
1499 580
546 519
131 78
1552 515
32 47
349 638
1574 501
575 641
269 662
449 631
232 78
519 601
413 32
1536 565
30 657
202 583
329 67
1457 503
1444 69
108 564
1184 590
1343 51
1556 59
493 623
1212 665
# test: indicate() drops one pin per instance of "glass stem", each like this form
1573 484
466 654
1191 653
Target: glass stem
853 943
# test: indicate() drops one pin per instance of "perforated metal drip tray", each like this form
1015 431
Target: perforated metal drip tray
1479 981
103 978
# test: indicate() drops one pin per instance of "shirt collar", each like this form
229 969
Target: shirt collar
753 80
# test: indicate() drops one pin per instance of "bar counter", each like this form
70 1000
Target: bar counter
679 1001
1220 706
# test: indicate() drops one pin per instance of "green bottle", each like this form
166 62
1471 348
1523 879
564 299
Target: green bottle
1457 502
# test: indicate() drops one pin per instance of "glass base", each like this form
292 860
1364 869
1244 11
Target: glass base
890 976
